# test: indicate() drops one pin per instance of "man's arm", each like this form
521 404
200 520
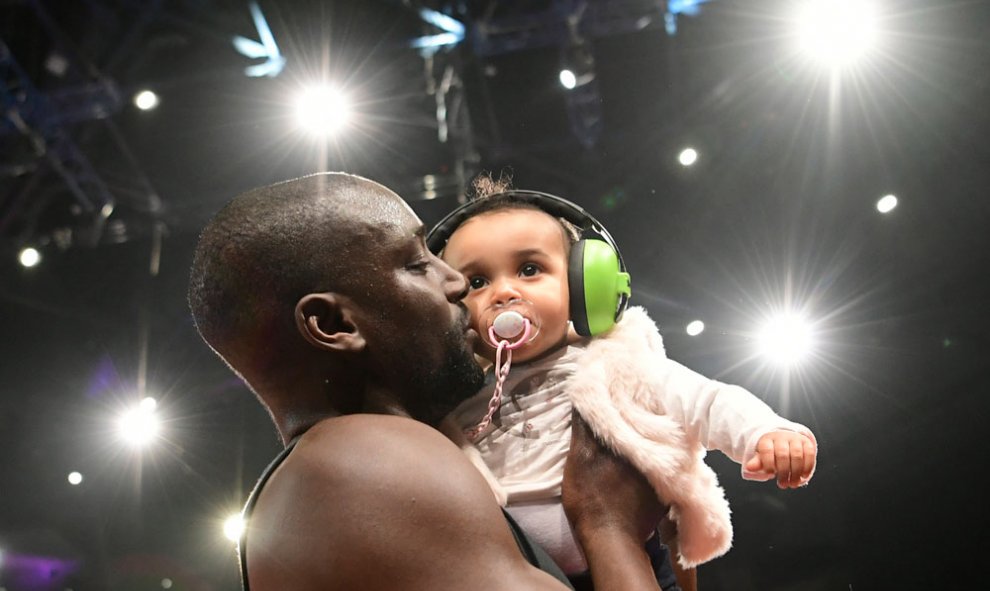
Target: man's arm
378 502
613 511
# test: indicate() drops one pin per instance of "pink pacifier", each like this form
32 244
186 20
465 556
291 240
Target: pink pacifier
516 322
508 324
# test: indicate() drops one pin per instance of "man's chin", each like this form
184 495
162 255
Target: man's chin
459 379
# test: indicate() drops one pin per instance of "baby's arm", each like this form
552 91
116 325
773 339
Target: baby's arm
734 421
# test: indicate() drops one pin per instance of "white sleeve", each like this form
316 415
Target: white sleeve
719 416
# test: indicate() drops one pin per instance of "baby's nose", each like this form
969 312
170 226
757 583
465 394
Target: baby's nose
505 291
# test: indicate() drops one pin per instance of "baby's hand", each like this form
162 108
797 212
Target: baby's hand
788 455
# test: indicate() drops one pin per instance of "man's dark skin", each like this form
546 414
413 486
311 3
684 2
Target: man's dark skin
321 294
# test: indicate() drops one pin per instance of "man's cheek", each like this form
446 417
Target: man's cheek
475 315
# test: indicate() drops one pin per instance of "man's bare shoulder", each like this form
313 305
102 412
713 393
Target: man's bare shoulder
357 493
393 458
360 434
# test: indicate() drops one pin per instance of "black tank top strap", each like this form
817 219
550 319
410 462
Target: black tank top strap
249 508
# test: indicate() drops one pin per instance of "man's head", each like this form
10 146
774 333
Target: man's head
321 294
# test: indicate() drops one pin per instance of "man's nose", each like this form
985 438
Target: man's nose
455 285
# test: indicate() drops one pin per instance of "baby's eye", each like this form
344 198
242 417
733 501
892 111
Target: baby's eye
477 282
529 269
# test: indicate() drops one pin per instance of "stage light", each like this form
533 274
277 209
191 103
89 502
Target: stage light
146 100
166 583
785 339
886 204
836 32
75 478
29 257
695 328
577 65
567 79
233 527
322 110
687 157
139 426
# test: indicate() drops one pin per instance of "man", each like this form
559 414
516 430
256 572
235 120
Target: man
321 294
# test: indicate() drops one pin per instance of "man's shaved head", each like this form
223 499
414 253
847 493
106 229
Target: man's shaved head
270 246
321 294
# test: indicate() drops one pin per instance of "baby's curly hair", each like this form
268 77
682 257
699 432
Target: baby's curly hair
497 196
484 185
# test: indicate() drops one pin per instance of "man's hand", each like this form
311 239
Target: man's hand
612 509
788 455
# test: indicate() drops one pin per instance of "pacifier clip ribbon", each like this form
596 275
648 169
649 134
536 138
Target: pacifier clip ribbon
507 324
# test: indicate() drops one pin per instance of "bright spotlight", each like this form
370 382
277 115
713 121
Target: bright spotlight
687 157
146 100
568 79
233 527
166 583
75 478
886 203
786 339
139 426
322 110
695 328
836 31
29 257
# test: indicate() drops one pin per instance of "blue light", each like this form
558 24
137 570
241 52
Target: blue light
266 48
676 7
439 40
442 21
452 35
688 7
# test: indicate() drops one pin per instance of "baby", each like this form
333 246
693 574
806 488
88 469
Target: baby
517 250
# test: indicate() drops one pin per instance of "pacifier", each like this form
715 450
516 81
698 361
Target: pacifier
515 323
510 326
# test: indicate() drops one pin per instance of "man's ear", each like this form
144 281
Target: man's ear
325 321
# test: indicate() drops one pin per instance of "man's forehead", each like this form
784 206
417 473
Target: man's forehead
388 221
376 205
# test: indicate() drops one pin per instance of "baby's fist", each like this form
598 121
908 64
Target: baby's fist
788 455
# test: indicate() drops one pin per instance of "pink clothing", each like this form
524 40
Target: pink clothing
653 411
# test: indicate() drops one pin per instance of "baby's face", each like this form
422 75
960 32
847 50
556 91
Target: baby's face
514 255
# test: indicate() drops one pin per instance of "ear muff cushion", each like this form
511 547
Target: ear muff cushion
603 285
575 289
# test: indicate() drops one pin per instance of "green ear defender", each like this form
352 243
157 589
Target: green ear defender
598 283
598 286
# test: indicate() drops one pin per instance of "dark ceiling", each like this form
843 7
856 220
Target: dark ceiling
779 211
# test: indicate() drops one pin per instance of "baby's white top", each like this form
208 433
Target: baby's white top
527 442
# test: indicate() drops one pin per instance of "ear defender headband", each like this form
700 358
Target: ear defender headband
598 283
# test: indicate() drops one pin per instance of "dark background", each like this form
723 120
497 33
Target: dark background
778 213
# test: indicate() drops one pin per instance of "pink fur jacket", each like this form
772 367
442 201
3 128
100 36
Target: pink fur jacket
662 417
